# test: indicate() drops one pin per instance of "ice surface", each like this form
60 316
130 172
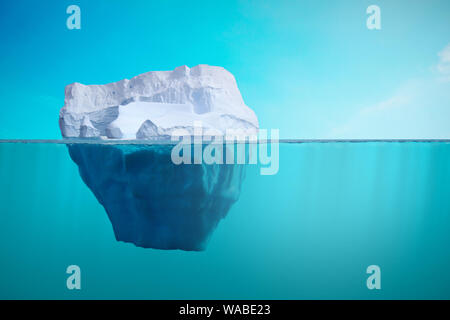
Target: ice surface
168 99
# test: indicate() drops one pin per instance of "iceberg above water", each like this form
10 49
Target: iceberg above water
151 201
154 104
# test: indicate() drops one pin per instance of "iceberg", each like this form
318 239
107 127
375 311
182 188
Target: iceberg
151 201
152 105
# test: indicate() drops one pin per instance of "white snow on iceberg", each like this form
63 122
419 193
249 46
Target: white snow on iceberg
166 99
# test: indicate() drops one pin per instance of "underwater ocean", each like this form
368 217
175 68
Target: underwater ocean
308 232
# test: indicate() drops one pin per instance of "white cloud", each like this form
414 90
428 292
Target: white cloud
443 66
445 54
419 109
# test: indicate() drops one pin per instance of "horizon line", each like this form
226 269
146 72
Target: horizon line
150 142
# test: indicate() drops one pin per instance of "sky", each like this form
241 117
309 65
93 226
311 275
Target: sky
311 69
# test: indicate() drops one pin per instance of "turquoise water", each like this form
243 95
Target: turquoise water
308 232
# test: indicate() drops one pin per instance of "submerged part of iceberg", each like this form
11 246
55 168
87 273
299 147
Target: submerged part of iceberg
152 105
152 202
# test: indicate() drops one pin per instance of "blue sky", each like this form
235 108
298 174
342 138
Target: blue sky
309 68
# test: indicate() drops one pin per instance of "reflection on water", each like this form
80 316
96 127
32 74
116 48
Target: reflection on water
152 202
